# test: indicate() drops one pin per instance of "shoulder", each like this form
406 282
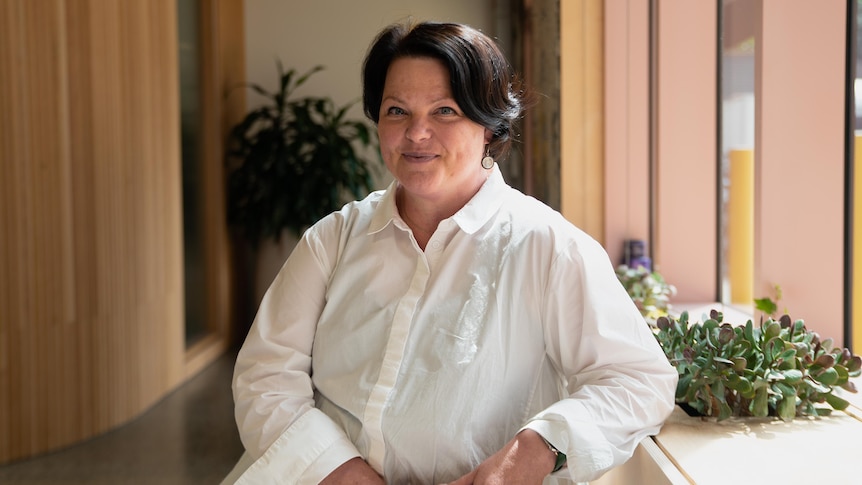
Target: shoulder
357 213
327 238
534 222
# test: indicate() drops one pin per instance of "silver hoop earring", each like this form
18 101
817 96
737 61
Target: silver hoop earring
488 160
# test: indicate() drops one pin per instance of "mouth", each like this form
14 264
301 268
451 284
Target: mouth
418 157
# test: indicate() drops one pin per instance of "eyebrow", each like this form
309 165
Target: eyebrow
434 101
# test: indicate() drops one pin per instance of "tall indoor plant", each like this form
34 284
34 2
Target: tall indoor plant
292 160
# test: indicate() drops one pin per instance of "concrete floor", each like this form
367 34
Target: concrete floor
189 437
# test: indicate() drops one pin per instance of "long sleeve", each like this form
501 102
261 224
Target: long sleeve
427 362
289 439
620 385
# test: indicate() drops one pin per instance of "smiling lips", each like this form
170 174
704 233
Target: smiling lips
418 156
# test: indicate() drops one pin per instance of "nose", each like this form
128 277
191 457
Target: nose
418 129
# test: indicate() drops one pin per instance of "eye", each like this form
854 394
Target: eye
395 111
446 110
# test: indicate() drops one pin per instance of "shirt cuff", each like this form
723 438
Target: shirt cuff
307 452
588 453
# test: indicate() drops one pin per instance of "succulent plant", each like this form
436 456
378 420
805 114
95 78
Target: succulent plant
779 368
648 289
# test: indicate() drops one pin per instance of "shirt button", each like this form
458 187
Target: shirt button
435 245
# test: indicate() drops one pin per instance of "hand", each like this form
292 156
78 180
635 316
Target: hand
525 459
353 472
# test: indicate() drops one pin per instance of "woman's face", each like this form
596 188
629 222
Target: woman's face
428 144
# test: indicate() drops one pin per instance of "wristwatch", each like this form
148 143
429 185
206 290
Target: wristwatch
561 457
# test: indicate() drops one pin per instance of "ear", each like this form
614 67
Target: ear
488 136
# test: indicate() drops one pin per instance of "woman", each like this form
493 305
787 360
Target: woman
448 328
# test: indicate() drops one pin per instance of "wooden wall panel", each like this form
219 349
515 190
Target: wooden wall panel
582 116
222 65
540 41
91 305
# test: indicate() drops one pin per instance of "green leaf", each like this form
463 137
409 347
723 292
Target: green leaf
788 354
787 408
741 385
724 411
773 348
719 392
828 377
749 332
854 364
792 376
785 390
771 329
815 386
759 405
766 305
836 402
683 385
304 77
843 375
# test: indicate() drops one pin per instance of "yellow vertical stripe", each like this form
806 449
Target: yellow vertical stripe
857 247
740 230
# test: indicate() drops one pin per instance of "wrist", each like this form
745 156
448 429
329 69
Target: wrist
559 456
544 455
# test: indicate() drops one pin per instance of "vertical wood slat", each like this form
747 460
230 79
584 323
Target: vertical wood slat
541 122
222 67
581 116
91 320
10 99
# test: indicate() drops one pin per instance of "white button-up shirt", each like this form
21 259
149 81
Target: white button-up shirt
425 363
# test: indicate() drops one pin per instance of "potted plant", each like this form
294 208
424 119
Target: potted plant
648 289
778 368
292 161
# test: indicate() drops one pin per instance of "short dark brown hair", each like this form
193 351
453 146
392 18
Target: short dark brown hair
483 83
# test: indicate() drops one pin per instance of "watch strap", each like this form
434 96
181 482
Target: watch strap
560 456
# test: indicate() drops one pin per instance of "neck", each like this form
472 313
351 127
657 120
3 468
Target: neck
422 217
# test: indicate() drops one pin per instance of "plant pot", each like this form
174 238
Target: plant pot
271 255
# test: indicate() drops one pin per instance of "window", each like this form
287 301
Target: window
736 161
779 100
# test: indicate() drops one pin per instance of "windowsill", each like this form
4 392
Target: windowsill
686 450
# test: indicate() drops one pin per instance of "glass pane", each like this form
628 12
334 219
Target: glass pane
190 119
736 217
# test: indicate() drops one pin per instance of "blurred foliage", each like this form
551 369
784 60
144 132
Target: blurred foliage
767 305
293 161
648 289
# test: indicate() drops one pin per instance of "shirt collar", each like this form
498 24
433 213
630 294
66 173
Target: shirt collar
470 218
386 211
483 205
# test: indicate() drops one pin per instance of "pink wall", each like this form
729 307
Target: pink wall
685 123
626 124
799 160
